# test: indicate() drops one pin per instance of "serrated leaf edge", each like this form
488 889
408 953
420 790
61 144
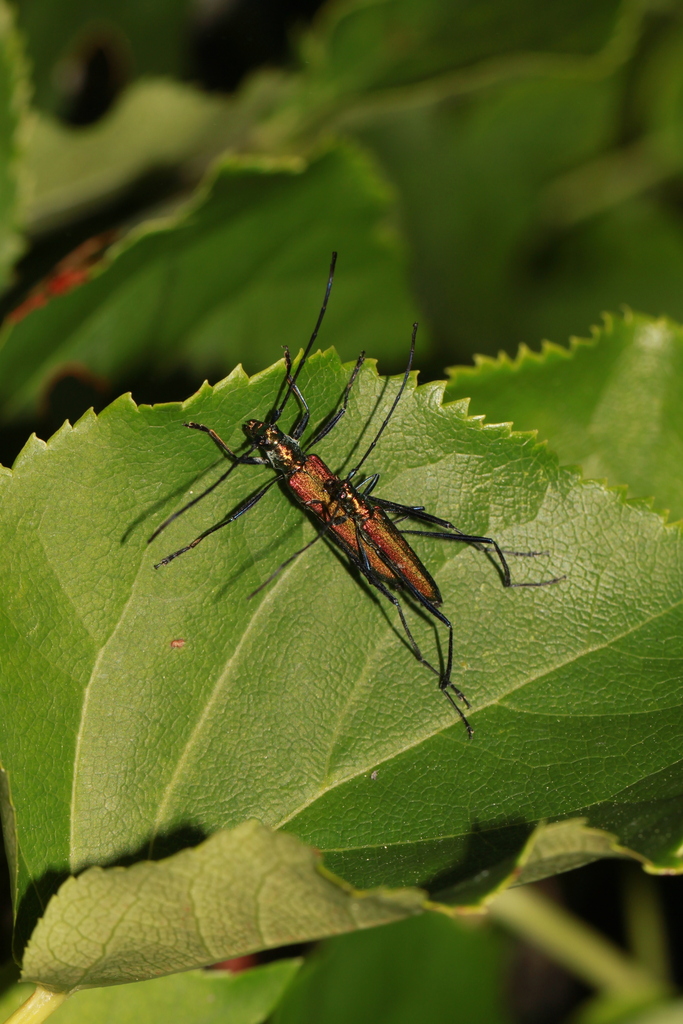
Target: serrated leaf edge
432 394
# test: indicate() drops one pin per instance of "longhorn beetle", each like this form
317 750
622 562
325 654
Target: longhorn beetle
349 516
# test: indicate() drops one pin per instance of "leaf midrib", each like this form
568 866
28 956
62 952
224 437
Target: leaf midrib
493 701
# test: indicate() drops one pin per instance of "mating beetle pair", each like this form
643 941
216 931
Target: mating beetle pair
347 514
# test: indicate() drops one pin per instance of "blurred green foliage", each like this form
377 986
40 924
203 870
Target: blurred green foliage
426 968
235 275
531 162
138 39
193 997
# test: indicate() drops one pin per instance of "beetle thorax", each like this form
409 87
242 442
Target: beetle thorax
348 497
281 450
286 456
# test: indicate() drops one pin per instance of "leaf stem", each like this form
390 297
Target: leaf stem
644 921
572 943
39 1005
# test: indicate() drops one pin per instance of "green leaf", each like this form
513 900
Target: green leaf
302 707
522 207
235 276
196 997
422 968
348 53
549 850
138 38
660 94
473 202
241 890
594 267
156 123
611 403
13 104
360 46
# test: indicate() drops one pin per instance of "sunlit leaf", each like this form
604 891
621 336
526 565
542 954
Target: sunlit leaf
157 123
611 404
143 710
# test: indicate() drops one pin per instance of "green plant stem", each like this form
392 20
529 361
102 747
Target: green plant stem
644 921
39 1005
572 943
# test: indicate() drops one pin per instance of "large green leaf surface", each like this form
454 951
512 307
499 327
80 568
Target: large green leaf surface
193 997
611 403
302 707
235 276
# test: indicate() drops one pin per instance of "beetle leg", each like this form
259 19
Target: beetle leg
239 511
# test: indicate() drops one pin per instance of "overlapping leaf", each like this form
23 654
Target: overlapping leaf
302 707
194 997
485 256
238 275
522 210
611 404
357 49
242 890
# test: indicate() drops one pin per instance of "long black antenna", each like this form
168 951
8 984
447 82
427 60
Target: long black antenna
406 375
277 413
